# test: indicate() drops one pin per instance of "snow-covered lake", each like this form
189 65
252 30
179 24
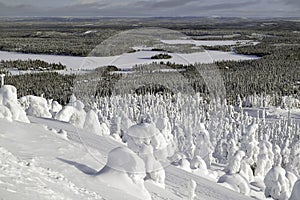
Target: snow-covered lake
127 60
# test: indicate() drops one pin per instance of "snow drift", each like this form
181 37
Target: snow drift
126 171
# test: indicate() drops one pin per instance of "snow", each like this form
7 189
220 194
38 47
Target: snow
192 187
92 124
124 61
10 107
113 151
277 184
78 164
23 180
125 171
35 106
235 182
74 114
296 191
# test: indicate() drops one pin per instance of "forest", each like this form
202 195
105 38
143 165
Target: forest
276 73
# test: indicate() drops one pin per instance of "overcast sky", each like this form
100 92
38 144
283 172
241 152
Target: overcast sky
234 8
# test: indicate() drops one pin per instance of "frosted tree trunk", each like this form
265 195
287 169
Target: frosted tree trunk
191 188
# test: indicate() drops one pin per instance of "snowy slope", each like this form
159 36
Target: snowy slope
41 163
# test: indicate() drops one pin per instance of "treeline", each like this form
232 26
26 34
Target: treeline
264 76
52 40
30 65
161 56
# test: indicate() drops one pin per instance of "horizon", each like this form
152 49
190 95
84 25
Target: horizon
146 9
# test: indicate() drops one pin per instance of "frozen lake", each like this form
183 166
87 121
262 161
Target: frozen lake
127 60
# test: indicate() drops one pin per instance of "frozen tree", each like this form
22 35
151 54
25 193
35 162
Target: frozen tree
245 170
277 184
73 113
294 161
191 188
11 108
234 165
115 127
203 145
104 130
164 126
92 124
55 108
264 159
36 106
147 141
249 143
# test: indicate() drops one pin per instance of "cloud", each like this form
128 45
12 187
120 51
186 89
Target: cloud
236 8
293 2
15 10
161 4
226 6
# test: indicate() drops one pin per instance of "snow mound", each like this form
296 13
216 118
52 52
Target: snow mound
296 191
198 163
235 182
126 171
73 113
124 160
35 106
13 110
92 124
143 131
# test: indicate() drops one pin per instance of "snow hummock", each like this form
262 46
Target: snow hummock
73 113
296 191
126 171
235 182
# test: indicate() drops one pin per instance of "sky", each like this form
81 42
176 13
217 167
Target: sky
147 8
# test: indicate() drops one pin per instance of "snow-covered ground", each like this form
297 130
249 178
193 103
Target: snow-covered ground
37 162
115 151
128 60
